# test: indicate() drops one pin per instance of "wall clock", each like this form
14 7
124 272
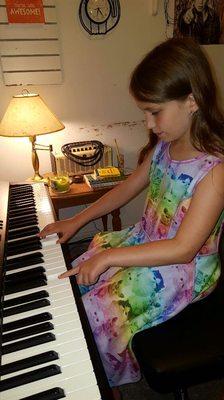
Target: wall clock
99 16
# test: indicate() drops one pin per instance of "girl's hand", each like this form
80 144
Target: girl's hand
88 272
66 229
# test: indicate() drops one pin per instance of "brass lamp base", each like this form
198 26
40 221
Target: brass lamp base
38 178
35 162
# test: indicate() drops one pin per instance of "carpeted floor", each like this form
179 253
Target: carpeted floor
140 390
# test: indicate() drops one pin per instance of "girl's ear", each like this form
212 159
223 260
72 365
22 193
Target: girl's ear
193 107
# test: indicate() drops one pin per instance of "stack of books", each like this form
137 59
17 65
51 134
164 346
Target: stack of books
104 177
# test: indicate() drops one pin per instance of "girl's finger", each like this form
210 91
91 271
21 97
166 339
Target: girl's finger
71 272
47 231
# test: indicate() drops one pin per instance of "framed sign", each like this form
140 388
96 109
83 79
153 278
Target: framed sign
30 52
25 11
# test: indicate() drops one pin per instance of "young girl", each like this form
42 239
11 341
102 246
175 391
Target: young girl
141 276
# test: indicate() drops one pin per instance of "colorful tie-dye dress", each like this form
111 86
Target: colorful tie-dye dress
127 300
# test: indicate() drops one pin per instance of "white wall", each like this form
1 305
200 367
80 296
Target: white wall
93 101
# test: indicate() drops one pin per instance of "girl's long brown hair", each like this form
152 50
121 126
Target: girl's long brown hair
171 71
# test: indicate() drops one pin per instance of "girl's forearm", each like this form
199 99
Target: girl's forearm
112 200
158 253
107 203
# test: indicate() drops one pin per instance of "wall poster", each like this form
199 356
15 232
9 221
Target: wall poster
203 20
25 11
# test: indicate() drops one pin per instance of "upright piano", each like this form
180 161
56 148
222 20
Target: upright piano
47 348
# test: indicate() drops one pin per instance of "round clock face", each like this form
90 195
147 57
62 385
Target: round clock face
99 16
98 11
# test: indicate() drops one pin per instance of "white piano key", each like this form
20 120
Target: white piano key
72 342
68 360
64 322
28 253
46 242
22 238
91 393
16 217
71 325
77 347
52 255
53 270
52 273
65 285
29 225
55 308
50 241
74 383
63 288
48 252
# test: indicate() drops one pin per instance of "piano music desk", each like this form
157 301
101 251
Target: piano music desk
79 194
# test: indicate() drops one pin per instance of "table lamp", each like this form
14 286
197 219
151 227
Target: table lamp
28 115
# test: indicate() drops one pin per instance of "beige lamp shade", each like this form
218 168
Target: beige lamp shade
28 115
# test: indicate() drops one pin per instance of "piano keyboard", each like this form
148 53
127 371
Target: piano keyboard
44 349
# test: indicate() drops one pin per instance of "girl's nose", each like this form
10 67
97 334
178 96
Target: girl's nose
150 121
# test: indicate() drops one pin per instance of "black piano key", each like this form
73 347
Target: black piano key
32 216
32 247
28 377
26 191
30 274
20 196
20 186
20 323
11 287
15 194
21 201
26 196
22 242
26 343
23 333
20 248
21 205
32 206
21 222
24 261
21 211
28 362
22 232
51 394
19 217
41 294
33 305
14 191
25 211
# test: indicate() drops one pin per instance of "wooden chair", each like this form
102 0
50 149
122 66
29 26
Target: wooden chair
186 350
